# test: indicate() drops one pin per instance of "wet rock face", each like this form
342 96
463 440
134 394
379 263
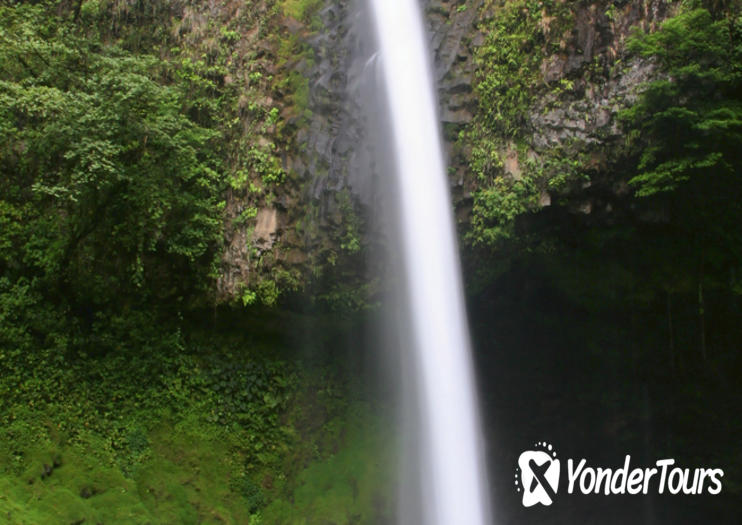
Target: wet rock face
322 154
331 157
266 229
588 115
588 57
333 137
597 38
453 39
586 80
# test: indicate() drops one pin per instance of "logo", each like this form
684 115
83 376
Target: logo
538 471
537 475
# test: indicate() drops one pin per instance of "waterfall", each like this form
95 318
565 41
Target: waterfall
452 481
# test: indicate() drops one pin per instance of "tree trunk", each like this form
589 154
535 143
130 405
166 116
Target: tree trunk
671 336
78 7
702 314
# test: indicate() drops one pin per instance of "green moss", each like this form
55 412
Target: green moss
351 486
302 10
213 432
183 479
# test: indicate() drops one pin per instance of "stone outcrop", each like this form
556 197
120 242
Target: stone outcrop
329 163
600 84
583 86
299 232
453 40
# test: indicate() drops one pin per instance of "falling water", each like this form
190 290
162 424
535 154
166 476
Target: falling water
453 487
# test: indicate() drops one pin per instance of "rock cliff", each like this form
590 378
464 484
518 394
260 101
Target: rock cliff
529 95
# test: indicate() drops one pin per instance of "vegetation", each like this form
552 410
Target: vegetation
686 132
126 394
681 161
136 137
210 431
508 74
636 263
107 184
507 83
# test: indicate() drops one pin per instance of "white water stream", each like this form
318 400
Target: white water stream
452 480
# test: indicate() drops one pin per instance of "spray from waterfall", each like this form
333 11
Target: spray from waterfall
452 482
